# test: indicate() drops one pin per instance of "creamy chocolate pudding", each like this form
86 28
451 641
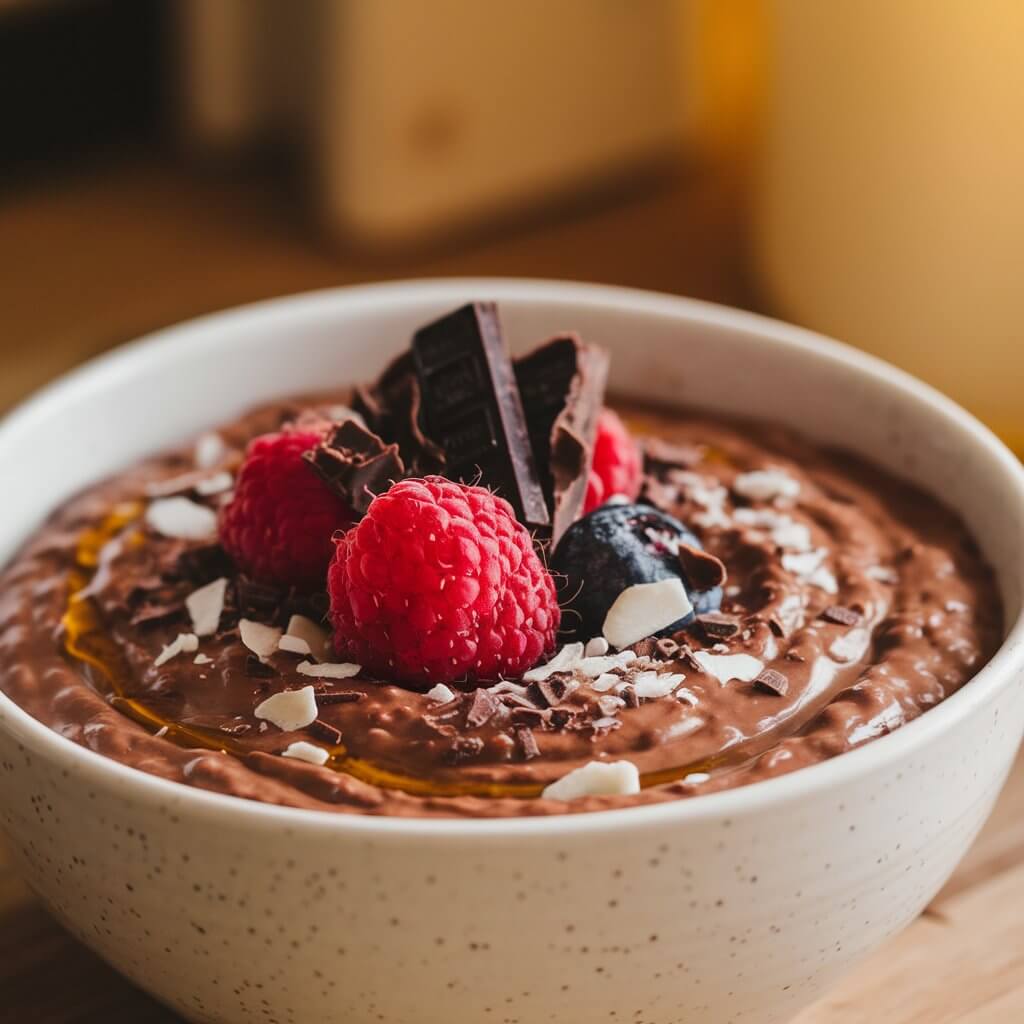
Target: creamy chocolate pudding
810 604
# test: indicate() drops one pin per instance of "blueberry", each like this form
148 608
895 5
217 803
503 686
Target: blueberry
612 548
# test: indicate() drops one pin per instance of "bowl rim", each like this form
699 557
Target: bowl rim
762 796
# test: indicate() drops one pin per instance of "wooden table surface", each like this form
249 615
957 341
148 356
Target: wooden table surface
94 257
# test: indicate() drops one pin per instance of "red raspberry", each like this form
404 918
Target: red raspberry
439 582
280 522
616 468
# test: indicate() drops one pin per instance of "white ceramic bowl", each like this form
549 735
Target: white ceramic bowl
738 907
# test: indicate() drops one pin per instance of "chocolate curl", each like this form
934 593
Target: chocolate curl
702 570
356 464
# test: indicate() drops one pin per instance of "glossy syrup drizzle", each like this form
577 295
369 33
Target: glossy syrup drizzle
86 640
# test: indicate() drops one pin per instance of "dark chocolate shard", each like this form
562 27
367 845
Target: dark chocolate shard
324 731
256 669
703 571
337 697
482 706
258 600
772 681
356 464
527 742
471 409
718 626
562 387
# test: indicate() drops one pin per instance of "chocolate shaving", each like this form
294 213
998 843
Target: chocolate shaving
772 681
338 697
562 387
629 695
666 647
645 648
482 707
776 626
841 616
324 731
548 692
463 748
533 717
258 599
703 571
717 625
203 564
356 464
561 718
257 669
527 742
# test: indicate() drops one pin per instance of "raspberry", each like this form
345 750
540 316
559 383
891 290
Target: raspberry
440 582
280 522
616 468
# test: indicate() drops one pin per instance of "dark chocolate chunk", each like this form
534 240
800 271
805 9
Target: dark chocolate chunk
717 625
258 599
644 648
776 626
325 731
629 695
203 564
463 748
356 464
257 669
527 742
562 387
561 718
532 717
772 681
469 407
482 707
338 697
703 571
841 616
666 647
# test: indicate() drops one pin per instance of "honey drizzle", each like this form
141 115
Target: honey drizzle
87 642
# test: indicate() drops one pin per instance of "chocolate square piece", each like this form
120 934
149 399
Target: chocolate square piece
562 387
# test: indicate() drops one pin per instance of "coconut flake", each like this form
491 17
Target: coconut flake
293 645
260 639
695 778
182 643
181 519
209 451
643 609
598 666
725 667
205 606
314 637
706 492
687 696
564 661
202 659
216 484
610 704
605 681
329 670
766 485
809 566
850 646
596 647
656 684
784 531
289 710
441 693
883 573
309 752
598 778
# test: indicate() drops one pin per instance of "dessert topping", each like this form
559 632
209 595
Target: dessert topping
301 750
439 582
329 670
726 667
259 638
205 606
181 519
644 609
182 643
597 778
290 709
766 485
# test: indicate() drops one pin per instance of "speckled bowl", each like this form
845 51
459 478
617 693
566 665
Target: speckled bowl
734 907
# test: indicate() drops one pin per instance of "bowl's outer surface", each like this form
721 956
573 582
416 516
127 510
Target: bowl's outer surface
733 907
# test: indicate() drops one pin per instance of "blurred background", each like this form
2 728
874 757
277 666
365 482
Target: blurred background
855 167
